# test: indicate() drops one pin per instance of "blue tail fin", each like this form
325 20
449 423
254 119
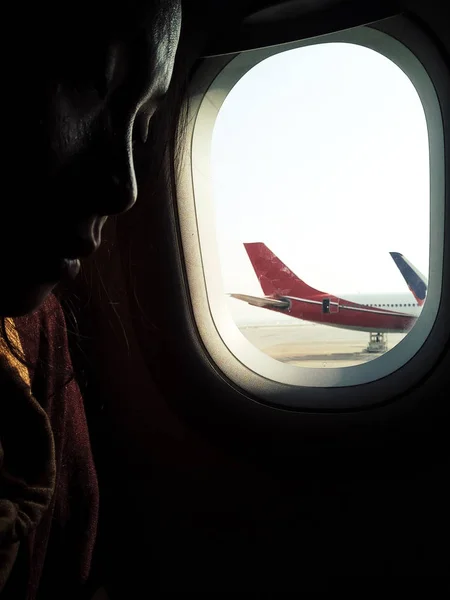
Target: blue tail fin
417 283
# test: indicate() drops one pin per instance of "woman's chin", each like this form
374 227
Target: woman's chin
18 300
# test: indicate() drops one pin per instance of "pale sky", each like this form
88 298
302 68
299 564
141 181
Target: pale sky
322 153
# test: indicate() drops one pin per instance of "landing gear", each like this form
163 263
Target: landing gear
377 343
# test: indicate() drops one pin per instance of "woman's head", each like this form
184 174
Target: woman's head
91 81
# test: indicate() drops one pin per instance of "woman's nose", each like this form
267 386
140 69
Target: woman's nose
124 187
121 189
125 194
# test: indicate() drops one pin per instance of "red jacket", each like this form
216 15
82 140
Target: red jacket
51 540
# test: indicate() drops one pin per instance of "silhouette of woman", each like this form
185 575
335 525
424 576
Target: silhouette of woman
85 82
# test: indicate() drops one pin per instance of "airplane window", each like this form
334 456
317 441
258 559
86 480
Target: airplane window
313 180
289 162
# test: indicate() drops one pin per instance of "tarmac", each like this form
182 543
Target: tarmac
311 345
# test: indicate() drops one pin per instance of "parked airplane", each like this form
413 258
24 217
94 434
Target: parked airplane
375 313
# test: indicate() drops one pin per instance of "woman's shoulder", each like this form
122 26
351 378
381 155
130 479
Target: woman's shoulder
43 334
48 316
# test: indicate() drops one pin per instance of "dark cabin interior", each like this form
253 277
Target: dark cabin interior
202 492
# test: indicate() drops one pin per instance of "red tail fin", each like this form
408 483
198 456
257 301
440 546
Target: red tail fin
274 276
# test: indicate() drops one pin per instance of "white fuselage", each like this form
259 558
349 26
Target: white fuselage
402 303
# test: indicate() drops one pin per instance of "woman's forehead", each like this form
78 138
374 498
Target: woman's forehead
79 47
92 25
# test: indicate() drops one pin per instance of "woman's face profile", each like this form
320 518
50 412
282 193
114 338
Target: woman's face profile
90 93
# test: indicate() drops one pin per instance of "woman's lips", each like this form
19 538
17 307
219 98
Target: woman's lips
52 271
70 267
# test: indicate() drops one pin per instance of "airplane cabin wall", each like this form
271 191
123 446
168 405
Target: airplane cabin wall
195 499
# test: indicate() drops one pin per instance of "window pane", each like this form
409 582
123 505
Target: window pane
320 174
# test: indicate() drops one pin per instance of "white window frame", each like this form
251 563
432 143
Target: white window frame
240 361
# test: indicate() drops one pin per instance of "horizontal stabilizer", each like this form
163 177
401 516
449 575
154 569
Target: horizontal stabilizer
263 302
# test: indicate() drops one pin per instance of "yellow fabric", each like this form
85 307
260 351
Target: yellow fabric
14 338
